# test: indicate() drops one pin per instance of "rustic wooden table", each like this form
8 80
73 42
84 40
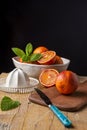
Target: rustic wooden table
30 116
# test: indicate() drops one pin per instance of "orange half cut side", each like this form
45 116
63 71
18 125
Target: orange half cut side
48 77
48 57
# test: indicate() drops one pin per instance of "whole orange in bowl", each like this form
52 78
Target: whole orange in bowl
67 82
40 49
58 60
33 62
48 77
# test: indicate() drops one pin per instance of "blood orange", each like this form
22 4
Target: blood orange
48 77
40 49
67 82
58 60
48 57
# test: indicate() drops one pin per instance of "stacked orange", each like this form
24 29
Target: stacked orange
66 82
48 56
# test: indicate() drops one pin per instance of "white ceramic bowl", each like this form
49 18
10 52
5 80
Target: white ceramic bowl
34 70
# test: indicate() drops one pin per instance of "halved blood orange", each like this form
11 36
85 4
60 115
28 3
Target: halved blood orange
40 49
48 57
48 77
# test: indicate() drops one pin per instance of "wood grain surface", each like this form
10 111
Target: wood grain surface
31 116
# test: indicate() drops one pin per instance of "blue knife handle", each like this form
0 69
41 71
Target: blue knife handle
66 122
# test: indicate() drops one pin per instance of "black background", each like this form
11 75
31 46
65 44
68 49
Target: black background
58 25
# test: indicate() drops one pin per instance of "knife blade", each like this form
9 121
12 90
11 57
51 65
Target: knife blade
64 119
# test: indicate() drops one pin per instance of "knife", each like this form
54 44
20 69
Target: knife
65 121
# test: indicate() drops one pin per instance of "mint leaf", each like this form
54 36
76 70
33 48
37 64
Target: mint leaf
18 51
7 103
25 58
28 55
35 57
28 49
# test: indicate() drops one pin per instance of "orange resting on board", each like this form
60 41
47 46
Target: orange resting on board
48 57
67 82
48 77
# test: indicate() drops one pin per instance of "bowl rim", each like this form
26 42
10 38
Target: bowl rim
14 59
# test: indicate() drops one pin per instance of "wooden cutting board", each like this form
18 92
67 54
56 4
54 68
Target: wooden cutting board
73 102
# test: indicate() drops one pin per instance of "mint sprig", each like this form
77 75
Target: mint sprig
28 55
35 57
18 51
7 103
28 49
